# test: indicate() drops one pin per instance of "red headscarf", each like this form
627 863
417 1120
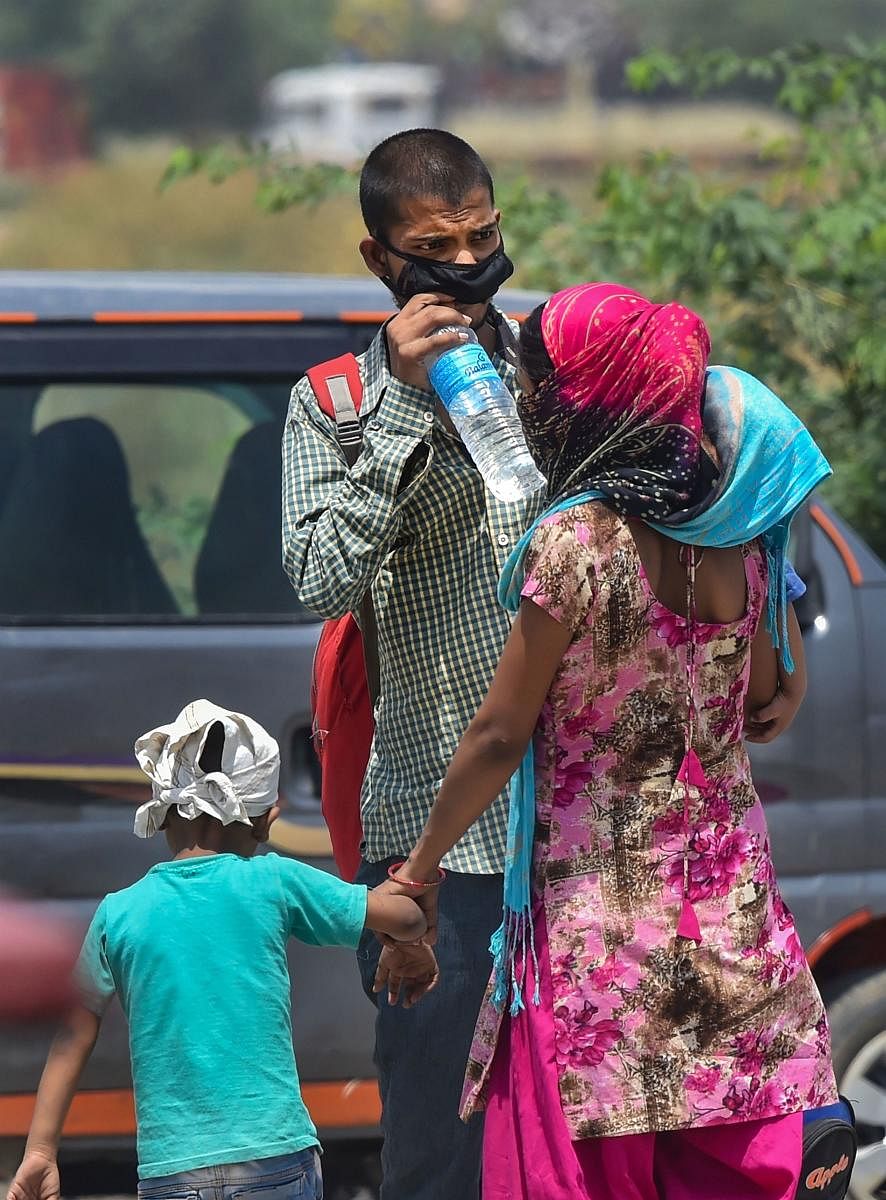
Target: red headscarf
621 412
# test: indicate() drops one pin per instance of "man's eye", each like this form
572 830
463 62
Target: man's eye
430 247
484 235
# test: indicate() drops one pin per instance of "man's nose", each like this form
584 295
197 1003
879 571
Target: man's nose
465 257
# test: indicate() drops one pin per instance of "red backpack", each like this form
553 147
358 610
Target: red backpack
344 682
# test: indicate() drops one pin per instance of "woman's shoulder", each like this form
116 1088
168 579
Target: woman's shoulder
592 516
589 531
571 549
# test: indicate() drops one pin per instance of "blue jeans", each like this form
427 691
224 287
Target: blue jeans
421 1053
285 1177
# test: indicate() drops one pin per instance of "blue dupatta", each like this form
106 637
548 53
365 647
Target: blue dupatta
769 463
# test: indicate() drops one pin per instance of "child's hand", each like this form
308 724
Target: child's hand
409 963
36 1179
766 723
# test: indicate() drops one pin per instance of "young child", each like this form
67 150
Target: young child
196 951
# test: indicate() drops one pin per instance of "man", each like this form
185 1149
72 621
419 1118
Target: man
412 521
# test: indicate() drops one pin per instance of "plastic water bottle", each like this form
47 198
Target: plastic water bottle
485 415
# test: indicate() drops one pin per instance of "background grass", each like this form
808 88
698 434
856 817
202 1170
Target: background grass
110 214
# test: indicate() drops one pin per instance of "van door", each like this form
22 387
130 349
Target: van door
826 805
140 568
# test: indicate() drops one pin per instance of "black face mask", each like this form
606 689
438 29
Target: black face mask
466 283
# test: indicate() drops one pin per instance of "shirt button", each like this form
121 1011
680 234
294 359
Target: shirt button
373 425
428 418
503 539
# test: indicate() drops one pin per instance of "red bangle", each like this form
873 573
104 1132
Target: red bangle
414 883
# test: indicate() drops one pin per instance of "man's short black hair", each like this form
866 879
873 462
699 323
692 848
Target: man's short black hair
414 164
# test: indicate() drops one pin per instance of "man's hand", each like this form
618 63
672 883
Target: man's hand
407 969
411 335
36 1178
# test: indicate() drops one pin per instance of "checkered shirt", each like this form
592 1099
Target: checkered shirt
412 520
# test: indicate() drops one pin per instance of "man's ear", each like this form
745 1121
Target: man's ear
261 829
375 257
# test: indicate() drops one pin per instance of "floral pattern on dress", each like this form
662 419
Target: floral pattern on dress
654 1032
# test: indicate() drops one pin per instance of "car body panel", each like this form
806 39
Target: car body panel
76 691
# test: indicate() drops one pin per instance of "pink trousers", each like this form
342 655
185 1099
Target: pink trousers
529 1155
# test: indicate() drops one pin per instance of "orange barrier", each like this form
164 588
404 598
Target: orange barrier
207 318
332 1105
368 317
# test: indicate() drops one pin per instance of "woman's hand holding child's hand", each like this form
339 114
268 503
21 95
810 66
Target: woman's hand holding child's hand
425 898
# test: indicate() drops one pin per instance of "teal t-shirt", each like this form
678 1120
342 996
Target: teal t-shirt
196 951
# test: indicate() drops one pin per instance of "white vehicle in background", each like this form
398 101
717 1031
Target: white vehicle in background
338 113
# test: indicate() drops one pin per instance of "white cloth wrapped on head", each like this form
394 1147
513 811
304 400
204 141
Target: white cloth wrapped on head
245 787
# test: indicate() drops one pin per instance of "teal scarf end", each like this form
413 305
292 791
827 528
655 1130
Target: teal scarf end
512 947
513 943
775 543
499 972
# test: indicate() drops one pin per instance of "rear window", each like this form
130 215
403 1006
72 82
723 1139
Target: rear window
149 501
383 105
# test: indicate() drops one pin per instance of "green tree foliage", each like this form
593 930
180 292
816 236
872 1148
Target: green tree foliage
446 35
186 65
751 27
787 269
153 65
38 30
197 66
193 65
280 185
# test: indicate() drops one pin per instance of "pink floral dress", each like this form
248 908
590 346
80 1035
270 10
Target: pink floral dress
655 1032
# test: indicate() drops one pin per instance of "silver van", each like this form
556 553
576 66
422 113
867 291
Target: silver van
140 423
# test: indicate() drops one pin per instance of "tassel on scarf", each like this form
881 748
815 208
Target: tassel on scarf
688 926
513 942
690 774
499 958
775 542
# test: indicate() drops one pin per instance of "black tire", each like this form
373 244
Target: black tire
856 1004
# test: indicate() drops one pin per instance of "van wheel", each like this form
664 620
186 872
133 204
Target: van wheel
857 1014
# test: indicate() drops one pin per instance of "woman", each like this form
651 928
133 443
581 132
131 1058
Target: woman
652 1029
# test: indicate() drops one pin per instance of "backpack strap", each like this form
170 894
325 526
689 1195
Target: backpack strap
339 391
505 341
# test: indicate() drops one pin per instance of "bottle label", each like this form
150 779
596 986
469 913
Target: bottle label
458 370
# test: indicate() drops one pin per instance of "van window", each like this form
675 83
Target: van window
387 105
310 111
155 501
